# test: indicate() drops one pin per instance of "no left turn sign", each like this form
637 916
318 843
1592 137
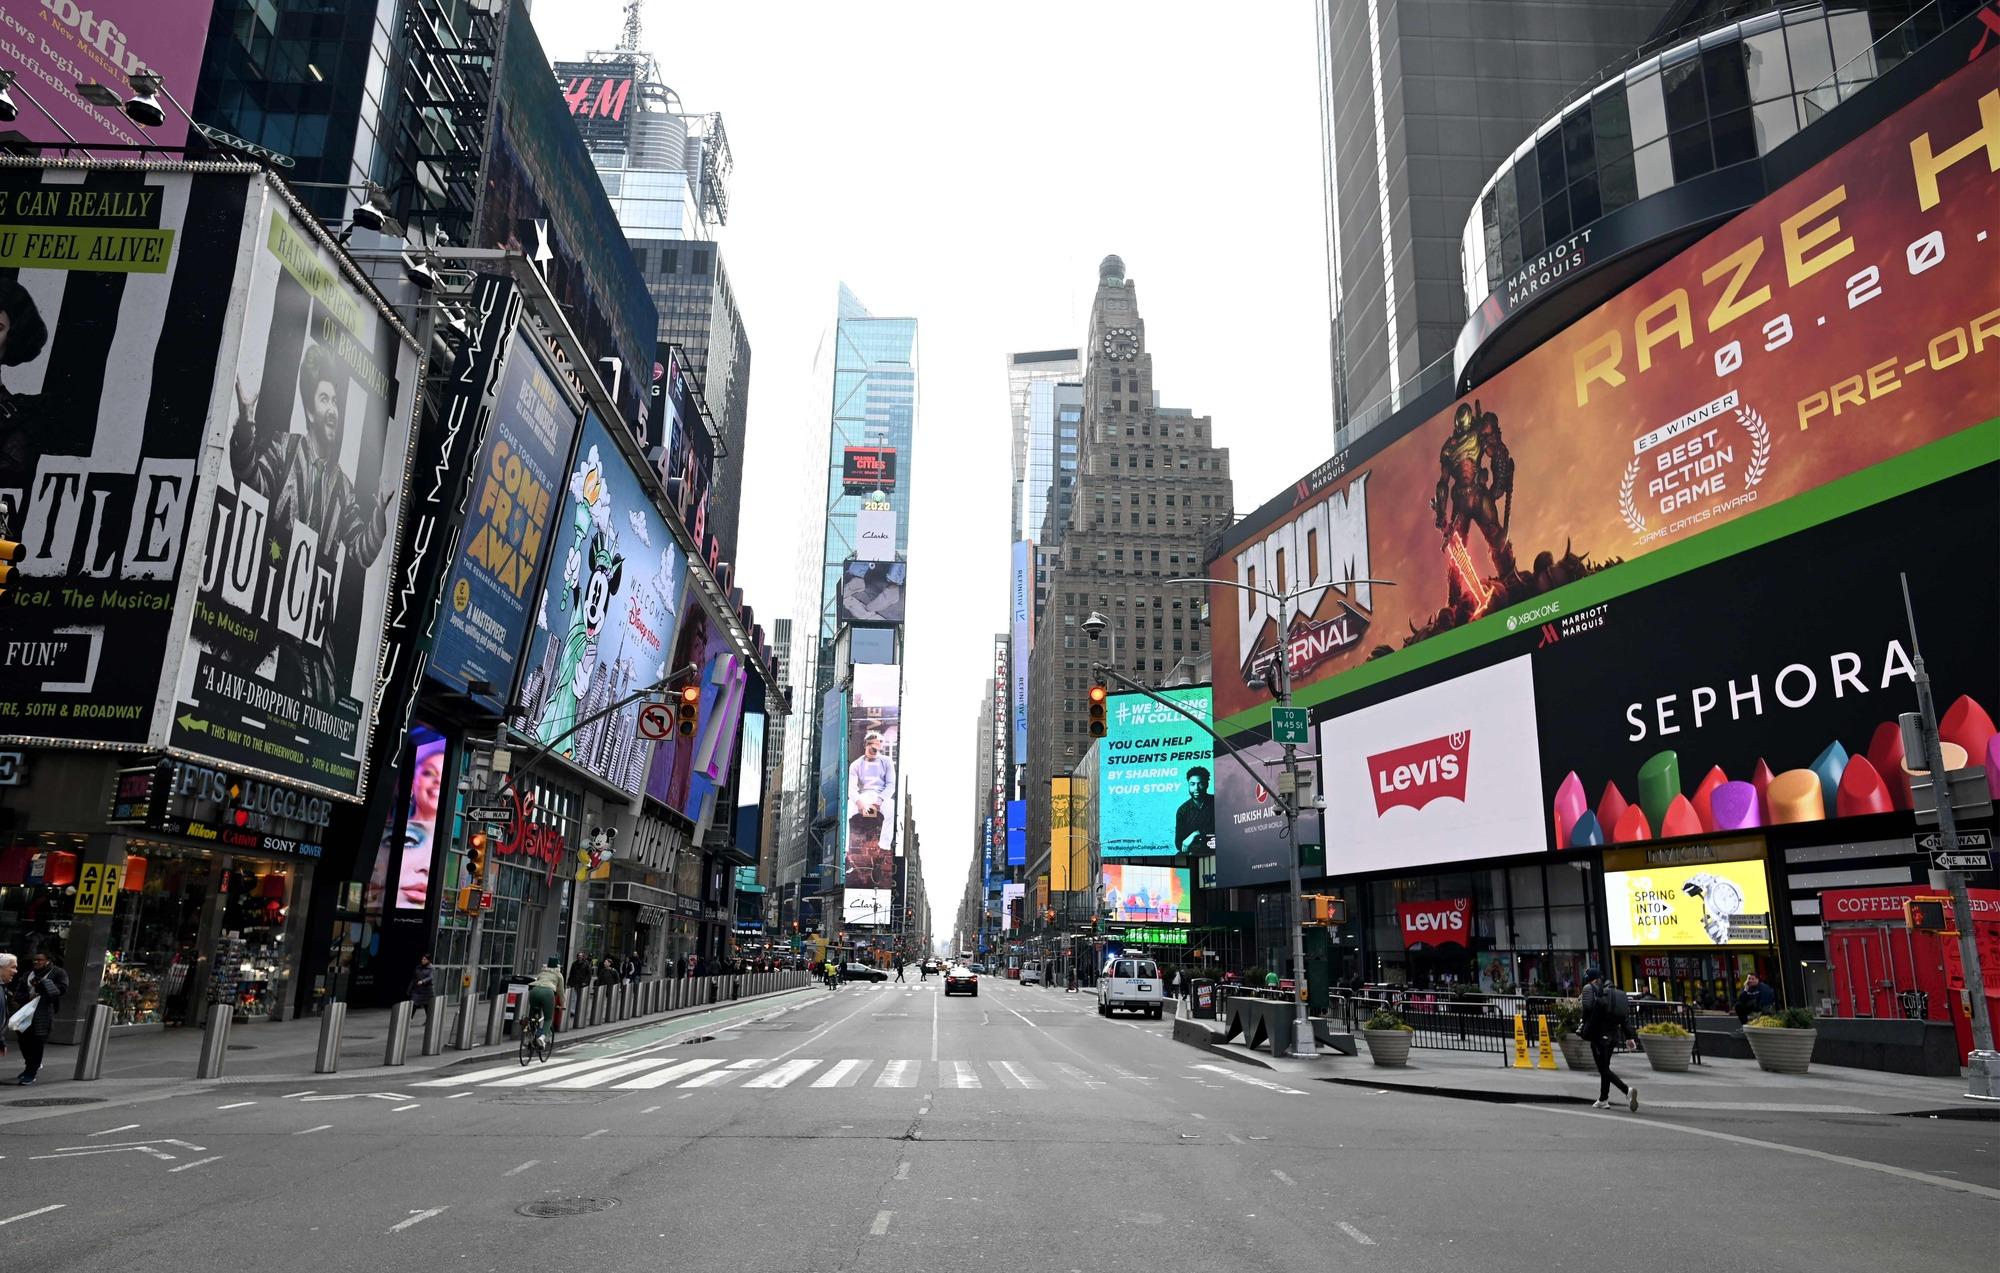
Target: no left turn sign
656 721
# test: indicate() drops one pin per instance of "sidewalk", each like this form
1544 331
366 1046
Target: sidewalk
1721 1085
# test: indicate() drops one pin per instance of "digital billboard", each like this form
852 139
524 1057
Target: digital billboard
1844 320
53 44
868 468
1155 777
1144 894
866 907
1059 816
874 734
749 816
1250 844
285 636
543 197
1695 904
875 534
1010 894
1017 833
109 360
872 592
687 772
427 792
607 618
687 459
1021 633
510 515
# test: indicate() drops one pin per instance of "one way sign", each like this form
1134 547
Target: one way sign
1969 850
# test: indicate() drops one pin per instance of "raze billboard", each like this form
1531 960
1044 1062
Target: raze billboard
303 500
514 499
54 44
116 304
1765 688
1845 319
608 615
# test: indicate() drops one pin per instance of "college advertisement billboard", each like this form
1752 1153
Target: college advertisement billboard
1448 773
874 727
1694 904
301 512
1145 894
510 517
872 592
542 197
1155 777
607 617
1701 705
1847 318
867 468
1023 593
1250 844
54 44
116 306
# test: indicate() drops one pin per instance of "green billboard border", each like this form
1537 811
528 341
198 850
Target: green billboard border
1913 470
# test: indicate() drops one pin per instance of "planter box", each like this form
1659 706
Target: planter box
1779 1050
1668 1054
1576 1052
1388 1047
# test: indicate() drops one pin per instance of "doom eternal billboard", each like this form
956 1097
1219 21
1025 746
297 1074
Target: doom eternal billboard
1849 317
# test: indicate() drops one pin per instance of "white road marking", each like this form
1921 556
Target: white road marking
400 1108
649 1109
783 1075
1920 1177
1254 1082
594 1135
1234 1139
1279 1174
1082 1076
237 1105
593 1078
660 1078
38 1211
196 1163
515 1171
897 1074
455 1095
935 1001
735 1070
129 1126
837 1076
903 1170
1202 1117
1022 1018
310 1130
963 1075
417 1217
289 1095
1014 1076
1355 1233
536 1075
881 1225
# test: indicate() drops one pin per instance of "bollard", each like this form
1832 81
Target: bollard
465 1022
434 1023
496 1019
621 1002
711 988
215 1040
397 1050
331 1018
573 1019
735 987
90 1057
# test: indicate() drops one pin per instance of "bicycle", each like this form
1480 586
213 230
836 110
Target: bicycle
538 1043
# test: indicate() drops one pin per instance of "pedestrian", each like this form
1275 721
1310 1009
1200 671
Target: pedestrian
1607 1020
899 970
630 969
423 987
46 984
1757 999
1177 983
1070 988
607 972
579 971
10 972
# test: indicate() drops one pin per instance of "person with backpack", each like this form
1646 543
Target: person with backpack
1607 1021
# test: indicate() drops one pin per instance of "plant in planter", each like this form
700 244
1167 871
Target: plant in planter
1783 1041
1669 1046
1388 1037
1565 1019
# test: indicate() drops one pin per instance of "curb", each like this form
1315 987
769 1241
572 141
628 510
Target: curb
1198 1036
1462 1093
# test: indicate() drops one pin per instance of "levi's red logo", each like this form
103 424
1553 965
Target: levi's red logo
1421 772
1446 921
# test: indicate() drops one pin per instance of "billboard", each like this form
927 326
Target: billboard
1017 833
1250 844
874 720
867 468
1059 819
1695 904
515 491
301 511
426 792
687 772
1850 317
875 534
687 461
607 616
1155 777
1699 705
1444 774
1023 639
599 97
107 377
749 816
52 45
542 197
872 591
866 907
1144 894
1009 895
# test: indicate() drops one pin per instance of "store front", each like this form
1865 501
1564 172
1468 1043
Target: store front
532 888
1689 922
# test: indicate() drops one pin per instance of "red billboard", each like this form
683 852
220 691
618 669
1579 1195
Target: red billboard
1847 319
868 468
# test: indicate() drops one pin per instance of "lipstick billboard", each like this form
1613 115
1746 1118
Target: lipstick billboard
1848 320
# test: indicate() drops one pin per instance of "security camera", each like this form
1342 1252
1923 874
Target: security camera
1093 627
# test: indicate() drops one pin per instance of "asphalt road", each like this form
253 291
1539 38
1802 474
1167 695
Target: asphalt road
887 1127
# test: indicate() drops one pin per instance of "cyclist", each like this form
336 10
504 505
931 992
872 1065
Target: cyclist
545 992
832 975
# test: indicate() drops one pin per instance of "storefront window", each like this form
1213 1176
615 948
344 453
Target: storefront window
155 933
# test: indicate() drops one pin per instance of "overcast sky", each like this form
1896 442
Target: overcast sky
969 166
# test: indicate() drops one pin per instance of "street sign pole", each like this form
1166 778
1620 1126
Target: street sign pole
1984 1063
1303 1043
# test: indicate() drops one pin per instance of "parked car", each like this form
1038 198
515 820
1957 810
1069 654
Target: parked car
1031 974
1131 983
962 980
862 972
977 967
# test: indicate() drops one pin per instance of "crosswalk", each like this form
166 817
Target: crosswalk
766 1074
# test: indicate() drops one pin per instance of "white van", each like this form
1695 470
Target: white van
1031 973
1131 983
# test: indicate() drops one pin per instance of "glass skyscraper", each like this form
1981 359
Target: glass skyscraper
1042 459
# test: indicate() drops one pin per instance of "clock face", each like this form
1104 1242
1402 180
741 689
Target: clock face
1121 344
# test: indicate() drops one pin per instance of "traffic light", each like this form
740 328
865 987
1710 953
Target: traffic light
690 704
475 860
10 552
1097 696
1323 909
1925 914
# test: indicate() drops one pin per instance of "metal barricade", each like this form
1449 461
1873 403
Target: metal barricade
96 1032
331 1018
215 1040
397 1050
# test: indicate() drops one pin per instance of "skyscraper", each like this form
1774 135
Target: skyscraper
1041 460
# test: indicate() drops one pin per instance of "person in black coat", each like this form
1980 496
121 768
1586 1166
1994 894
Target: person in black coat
607 972
46 983
1606 1022
1757 999
579 973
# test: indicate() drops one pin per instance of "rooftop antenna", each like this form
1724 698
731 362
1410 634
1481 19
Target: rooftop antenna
629 42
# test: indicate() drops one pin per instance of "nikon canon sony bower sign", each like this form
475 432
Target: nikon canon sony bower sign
1846 319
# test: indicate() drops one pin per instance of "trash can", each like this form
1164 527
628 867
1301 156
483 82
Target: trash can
517 1001
1202 995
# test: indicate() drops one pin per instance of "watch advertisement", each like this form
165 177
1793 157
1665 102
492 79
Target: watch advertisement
1701 904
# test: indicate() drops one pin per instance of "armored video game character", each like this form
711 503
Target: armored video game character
1475 488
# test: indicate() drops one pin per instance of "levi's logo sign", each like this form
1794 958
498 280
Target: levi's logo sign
1421 772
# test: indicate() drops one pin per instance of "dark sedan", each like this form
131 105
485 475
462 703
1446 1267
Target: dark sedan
862 972
962 981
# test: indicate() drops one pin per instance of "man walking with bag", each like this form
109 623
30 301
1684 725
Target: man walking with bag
1607 1020
46 986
